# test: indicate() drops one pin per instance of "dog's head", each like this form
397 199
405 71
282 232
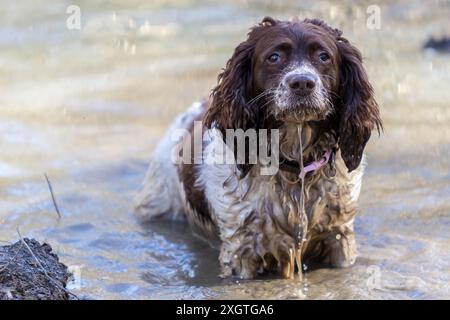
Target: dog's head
294 72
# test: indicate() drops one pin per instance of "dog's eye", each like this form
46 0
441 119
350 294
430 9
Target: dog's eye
324 56
274 58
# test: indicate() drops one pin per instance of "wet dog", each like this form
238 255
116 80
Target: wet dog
305 81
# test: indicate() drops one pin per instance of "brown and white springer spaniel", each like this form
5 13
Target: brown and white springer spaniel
308 82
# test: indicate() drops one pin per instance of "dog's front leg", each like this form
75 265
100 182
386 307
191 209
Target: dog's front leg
248 252
335 248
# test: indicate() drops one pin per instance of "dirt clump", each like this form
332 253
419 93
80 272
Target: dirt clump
30 270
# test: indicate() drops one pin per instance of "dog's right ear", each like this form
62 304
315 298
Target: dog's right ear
229 107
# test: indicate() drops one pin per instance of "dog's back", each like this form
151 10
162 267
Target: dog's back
162 196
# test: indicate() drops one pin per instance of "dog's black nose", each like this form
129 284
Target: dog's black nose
301 84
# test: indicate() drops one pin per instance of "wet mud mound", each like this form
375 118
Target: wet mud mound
29 270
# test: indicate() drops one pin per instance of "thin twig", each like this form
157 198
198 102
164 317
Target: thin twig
57 284
32 253
53 195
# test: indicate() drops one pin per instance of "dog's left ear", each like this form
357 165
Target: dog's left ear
358 112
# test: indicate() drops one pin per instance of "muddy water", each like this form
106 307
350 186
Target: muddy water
87 107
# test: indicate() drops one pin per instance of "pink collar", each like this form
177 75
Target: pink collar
294 166
316 165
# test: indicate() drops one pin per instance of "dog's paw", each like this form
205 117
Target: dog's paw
243 263
250 264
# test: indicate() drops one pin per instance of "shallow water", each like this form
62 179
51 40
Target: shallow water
87 107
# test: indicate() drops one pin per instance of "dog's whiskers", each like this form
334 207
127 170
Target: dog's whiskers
259 96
